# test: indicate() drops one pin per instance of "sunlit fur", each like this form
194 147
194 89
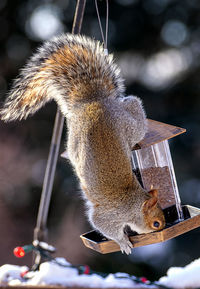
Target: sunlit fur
63 69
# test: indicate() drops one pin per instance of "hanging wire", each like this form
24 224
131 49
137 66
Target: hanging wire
105 39
107 21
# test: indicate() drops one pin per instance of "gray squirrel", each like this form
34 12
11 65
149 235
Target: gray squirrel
103 127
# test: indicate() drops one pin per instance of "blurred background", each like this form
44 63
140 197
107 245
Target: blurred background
157 45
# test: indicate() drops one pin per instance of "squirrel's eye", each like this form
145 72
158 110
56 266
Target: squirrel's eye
156 224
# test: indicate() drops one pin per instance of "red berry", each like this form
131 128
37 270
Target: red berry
143 279
19 252
22 274
86 270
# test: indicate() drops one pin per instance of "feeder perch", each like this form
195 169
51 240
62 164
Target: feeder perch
152 164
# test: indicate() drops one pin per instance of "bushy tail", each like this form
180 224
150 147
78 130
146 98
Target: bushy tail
68 69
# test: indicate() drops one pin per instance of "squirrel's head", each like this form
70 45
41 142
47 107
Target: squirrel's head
152 212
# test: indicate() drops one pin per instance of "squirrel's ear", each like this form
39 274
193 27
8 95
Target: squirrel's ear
149 204
154 193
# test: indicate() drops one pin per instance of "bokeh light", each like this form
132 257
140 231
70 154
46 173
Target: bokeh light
163 67
44 22
174 33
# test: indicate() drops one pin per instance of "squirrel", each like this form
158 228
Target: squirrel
103 126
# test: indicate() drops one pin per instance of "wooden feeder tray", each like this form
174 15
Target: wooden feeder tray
99 243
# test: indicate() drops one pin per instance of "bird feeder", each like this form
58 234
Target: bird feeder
153 167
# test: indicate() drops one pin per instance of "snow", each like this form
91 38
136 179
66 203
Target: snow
10 272
183 277
50 273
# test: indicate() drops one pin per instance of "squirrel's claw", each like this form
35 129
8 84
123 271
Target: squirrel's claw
125 245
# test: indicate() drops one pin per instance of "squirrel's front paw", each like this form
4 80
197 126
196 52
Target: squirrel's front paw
125 245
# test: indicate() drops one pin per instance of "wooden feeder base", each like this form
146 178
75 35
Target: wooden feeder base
99 243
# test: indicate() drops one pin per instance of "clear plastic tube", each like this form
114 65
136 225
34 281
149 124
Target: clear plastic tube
155 169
